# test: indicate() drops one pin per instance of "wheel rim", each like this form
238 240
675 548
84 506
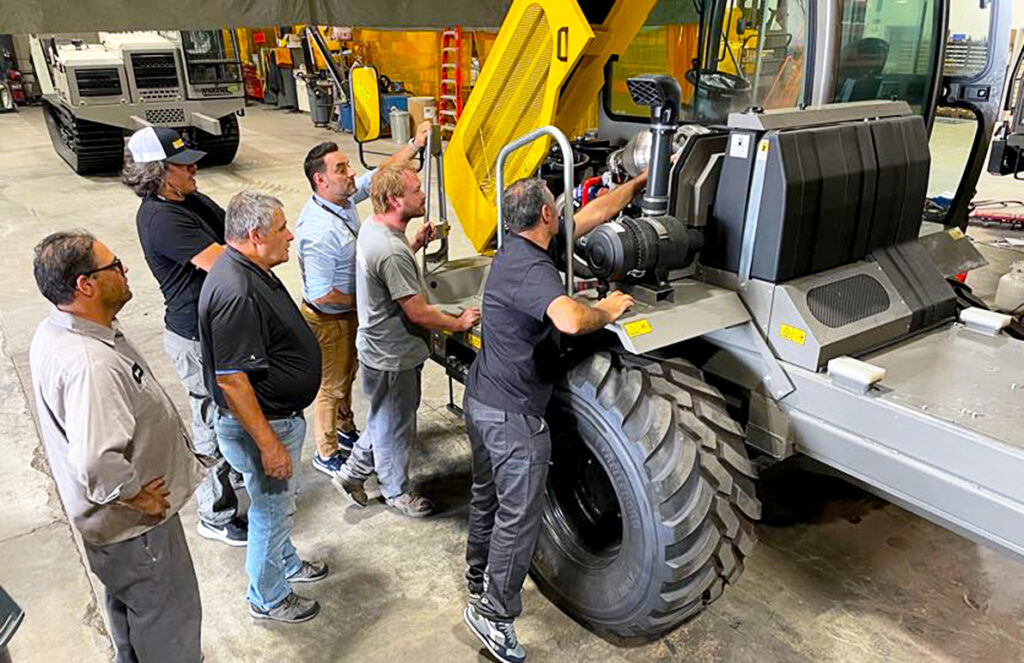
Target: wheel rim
585 514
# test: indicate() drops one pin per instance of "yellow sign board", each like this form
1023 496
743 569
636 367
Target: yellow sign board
637 328
792 334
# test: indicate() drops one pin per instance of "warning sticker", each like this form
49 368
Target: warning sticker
739 146
762 150
474 341
637 327
956 233
792 334
178 143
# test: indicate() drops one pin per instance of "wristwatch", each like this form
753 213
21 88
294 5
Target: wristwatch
413 145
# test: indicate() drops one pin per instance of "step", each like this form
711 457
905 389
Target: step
448 80
447 49
447 112
446 65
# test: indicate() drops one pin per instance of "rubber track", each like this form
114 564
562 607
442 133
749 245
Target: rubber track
699 478
220 150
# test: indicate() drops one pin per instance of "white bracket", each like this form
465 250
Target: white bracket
854 375
986 322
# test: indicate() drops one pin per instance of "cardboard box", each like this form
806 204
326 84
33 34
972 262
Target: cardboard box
417 106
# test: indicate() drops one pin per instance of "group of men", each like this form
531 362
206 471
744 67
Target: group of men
251 361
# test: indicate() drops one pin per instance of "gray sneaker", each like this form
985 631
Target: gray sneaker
309 572
414 506
294 609
351 490
499 637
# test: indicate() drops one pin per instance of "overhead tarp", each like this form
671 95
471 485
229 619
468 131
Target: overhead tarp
49 16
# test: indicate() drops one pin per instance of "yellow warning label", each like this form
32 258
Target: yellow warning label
763 146
956 233
178 143
474 340
792 334
637 327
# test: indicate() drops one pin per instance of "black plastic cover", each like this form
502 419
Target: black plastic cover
831 195
910 268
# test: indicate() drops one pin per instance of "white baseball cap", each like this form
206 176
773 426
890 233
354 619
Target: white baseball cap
161 144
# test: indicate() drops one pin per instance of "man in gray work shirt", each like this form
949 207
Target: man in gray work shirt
394 319
119 452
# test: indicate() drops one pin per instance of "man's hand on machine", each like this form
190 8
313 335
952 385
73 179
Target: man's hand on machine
615 304
427 233
277 463
422 131
467 319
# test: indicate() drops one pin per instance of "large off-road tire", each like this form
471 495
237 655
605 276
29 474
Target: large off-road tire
90 148
650 497
220 150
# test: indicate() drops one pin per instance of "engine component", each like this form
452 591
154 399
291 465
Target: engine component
662 94
646 248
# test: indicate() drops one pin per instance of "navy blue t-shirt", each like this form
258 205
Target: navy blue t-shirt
517 366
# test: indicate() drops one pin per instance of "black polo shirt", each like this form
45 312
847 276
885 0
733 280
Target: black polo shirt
171 234
249 323
517 366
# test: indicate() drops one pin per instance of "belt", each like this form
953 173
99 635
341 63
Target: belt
327 316
270 416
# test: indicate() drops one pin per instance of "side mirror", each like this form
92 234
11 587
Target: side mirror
365 96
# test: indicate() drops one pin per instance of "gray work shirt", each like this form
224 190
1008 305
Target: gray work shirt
386 272
108 427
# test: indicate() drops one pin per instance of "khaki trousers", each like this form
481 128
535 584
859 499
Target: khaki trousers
332 409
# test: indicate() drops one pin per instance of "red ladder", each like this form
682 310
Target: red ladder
449 96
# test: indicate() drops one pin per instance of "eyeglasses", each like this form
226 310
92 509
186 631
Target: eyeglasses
116 264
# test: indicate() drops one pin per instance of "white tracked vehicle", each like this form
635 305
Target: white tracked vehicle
96 92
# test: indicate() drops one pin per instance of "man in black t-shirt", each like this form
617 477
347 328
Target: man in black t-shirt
507 394
262 365
182 234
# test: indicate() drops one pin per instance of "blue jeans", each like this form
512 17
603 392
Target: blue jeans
270 556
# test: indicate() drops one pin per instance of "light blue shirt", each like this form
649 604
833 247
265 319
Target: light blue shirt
327 245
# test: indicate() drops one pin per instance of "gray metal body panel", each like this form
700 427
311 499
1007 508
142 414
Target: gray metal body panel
941 435
696 309
178 114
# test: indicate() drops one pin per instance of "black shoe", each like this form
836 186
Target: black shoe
294 609
235 533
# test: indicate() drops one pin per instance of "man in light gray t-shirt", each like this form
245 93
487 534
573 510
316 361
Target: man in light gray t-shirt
394 323
386 272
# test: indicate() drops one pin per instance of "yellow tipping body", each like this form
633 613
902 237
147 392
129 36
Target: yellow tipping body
543 47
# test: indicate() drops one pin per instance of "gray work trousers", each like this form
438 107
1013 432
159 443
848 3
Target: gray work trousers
511 452
390 430
152 596
215 498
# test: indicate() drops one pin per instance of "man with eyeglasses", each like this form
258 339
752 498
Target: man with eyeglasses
182 234
118 450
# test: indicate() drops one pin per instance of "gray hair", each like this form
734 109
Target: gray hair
522 202
248 211
146 178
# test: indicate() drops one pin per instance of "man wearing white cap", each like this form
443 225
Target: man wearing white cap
182 234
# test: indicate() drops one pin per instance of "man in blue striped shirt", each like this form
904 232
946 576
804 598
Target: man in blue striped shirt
325 235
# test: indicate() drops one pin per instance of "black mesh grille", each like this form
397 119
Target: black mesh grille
645 93
849 300
154 70
98 82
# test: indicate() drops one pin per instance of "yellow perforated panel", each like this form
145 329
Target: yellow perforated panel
546 67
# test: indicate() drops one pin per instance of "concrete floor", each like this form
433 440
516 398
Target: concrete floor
839 575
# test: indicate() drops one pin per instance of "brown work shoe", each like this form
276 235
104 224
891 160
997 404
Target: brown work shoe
351 490
414 506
